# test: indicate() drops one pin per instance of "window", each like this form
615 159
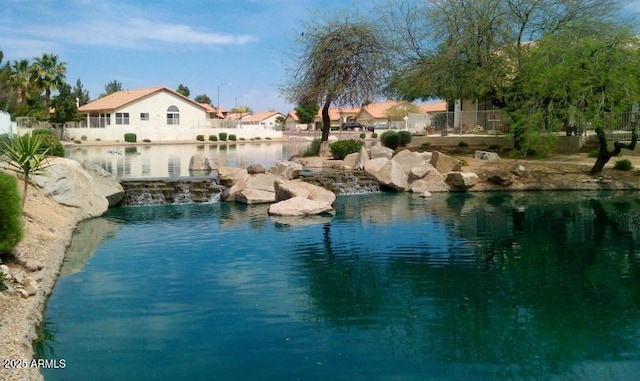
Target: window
144 116
122 118
173 115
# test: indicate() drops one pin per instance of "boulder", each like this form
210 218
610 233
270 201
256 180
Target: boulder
373 166
486 155
310 162
519 170
286 189
105 183
350 161
228 176
420 172
255 196
256 168
503 179
325 151
408 160
392 175
461 181
299 206
287 169
444 163
378 151
199 163
426 194
69 184
433 181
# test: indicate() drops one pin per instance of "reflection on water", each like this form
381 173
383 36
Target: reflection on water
173 160
457 287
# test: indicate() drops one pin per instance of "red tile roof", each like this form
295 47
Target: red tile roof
119 99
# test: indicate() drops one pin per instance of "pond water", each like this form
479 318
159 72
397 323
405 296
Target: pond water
393 287
172 160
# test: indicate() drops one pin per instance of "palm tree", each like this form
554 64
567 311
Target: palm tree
50 74
20 78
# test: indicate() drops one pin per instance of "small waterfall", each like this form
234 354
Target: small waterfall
170 191
344 182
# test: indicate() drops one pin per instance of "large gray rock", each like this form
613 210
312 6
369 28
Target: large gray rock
378 151
444 163
461 181
69 184
287 169
350 161
255 196
373 166
105 183
286 189
199 163
392 175
256 168
433 181
486 155
228 176
299 206
409 160
258 188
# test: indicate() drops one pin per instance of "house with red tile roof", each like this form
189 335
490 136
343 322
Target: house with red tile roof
149 107
267 120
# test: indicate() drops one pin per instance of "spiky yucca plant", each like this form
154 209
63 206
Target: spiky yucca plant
26 155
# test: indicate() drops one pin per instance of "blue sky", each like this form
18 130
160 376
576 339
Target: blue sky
201 44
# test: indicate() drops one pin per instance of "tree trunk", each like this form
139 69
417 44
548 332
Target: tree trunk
326 120
604 155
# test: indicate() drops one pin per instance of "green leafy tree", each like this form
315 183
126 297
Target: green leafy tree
184 90
48 74
203 98
80 93
307 111
25 155
5 84
112 87
341 62
10 213
65 108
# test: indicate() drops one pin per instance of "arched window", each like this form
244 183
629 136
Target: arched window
173 115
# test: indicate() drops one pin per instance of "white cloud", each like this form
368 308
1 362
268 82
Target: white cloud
133 33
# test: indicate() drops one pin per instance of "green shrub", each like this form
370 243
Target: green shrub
258 138
130 137
50 140
342 148
43 131
130 150
405 138
390 139
374 135
242 139
593 153
222 136
314 148
77 141
623 165
233 138
200 138
363 135
267 138
10 213
146 140
213 138
462 144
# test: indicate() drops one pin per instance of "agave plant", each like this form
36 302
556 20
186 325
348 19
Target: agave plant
25 155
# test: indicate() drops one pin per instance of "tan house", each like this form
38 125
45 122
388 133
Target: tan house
149 107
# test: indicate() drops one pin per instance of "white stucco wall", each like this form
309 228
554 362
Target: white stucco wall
6 126
156 106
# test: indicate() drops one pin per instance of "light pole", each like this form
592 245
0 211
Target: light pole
221 84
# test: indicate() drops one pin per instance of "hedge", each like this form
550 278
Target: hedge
10 213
